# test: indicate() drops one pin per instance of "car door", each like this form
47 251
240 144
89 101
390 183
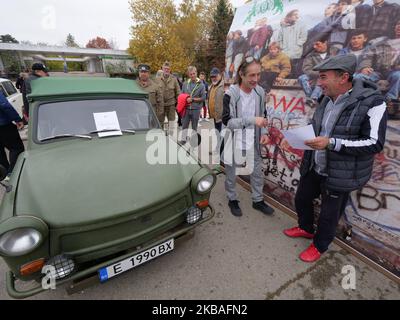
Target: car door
13 96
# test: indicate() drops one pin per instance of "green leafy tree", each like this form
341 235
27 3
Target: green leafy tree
10 61
222 20
181 35
154 39
191 28
70 41
7 38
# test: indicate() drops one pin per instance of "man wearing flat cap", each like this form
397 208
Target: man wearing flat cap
38 70
153 88
350 125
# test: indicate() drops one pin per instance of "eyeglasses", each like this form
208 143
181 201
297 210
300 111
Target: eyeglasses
248 60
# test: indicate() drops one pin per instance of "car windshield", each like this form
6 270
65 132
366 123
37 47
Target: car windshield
85 117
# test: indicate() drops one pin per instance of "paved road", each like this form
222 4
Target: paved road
237 258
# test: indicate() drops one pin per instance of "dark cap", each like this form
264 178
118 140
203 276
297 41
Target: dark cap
39 66
347 63
144 68
214 72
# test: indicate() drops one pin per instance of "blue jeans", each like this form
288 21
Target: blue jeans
313 93
394 83
374 77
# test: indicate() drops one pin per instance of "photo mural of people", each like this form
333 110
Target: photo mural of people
289 40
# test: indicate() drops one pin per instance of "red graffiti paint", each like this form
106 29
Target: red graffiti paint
291 106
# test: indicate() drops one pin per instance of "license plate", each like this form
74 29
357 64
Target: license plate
135 261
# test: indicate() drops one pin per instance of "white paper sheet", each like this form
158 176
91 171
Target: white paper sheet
107 121
296 137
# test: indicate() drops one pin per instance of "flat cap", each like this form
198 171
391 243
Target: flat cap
144 68
39 66
214 72
347 63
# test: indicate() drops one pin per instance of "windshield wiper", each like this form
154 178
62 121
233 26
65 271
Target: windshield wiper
129 131
112 130
67 135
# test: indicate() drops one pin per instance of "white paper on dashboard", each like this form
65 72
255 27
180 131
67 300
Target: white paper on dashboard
297 136
107 121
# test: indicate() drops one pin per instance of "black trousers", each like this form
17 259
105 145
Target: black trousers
333 204
10 140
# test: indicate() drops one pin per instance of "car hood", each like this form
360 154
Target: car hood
78 182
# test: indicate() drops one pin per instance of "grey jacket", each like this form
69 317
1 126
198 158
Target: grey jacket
312 59
232 112
27 88
291 38
195 90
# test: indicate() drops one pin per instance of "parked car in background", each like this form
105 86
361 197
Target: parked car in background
12 95
83 199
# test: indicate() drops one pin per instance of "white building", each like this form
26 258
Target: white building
97 60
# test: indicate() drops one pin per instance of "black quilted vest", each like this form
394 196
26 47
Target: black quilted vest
347 172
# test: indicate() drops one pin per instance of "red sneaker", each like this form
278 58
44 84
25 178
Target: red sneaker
296 232
311 254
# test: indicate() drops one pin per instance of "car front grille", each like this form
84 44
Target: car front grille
105 238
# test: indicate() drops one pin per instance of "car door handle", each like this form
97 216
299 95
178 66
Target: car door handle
14 100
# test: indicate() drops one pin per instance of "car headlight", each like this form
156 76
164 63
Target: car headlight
19 241
205 184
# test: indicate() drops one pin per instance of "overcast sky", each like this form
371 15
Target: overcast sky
50 21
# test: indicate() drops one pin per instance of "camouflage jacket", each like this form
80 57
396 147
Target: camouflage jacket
171 90
155 92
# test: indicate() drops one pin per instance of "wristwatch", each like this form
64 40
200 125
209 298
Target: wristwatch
332 143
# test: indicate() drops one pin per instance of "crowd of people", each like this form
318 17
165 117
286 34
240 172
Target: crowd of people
201 100
11 122
290 51
350 125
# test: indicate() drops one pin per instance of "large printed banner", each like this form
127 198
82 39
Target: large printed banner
290 37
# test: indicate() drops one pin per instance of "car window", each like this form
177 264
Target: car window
77 117
3 91
9 87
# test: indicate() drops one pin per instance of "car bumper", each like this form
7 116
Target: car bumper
22 294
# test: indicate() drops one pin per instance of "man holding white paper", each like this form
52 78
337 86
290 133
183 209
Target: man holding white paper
297 137
350 124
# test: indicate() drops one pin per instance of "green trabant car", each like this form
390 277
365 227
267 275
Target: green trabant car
84 200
